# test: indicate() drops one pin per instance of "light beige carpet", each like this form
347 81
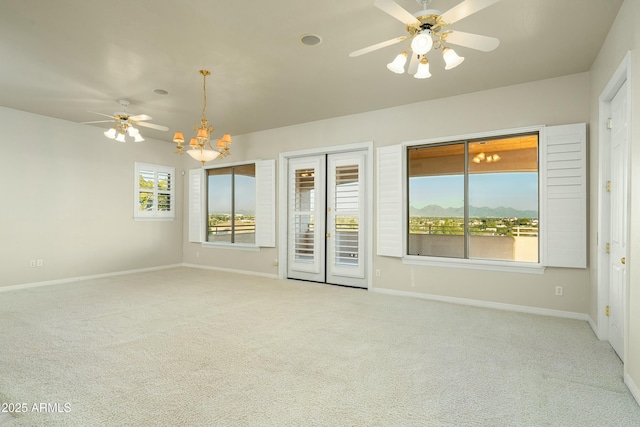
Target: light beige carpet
195 347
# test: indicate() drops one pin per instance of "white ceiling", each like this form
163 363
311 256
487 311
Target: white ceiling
62 58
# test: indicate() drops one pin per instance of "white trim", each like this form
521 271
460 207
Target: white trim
594 326
231 270
621 75
231 246
475 264
153 219
82 278
633 388
487 304
283 159
479 135
154 214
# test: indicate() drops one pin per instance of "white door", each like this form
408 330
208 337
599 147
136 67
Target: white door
326 219
306 219
345 217
619 220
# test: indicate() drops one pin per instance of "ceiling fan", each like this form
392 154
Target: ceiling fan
124 123
429 29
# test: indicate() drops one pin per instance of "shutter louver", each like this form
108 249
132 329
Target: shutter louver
389 195
196 217
265 203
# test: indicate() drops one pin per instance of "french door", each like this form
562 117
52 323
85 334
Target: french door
326 219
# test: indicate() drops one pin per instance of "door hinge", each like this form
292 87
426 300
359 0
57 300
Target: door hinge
609 124
328 235
607 311
608 248
609 186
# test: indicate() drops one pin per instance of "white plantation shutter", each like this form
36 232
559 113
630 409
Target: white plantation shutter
563 163
389 195
196 205
266 203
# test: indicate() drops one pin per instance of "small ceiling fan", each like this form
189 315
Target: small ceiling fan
427 30
124 123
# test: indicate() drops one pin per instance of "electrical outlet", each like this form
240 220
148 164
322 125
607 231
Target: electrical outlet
275 262
377 273
39 263
559 291
32 263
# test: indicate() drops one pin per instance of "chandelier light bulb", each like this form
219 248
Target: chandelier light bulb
423 69
451 58
422 43
111 133
397 65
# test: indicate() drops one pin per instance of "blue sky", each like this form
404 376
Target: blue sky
220 194
517 190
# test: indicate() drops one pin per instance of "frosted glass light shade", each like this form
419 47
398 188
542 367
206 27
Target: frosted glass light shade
422 43
203 155
132 131
397 65
423 70
120 137
111 133
451 58
138 138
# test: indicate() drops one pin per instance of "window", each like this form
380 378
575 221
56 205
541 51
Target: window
231 204
154 192
475 199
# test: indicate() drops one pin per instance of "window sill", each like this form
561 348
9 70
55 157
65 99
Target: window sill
151 218
232 246
475 264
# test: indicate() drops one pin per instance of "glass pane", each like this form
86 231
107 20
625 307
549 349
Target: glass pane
146 179
436 201
164 181
145 203
164 202
304 185
346 240
503 199
303 244
346 191
219 205
245 204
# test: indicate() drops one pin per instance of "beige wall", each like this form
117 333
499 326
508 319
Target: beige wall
67 199
623 37
550 102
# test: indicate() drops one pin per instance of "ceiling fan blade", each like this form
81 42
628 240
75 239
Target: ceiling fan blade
464 9
413 64
102 114
397 11
140 117
97 121
377 46
152 126
473 41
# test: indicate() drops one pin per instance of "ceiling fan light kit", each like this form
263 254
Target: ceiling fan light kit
124 122
428 30
201 148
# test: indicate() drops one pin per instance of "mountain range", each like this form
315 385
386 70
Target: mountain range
435 211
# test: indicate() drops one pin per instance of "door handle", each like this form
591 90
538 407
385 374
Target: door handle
623 260
329 235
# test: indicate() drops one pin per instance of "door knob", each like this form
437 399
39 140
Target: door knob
623 260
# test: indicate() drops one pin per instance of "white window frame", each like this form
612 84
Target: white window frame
388 157
154 214
265 206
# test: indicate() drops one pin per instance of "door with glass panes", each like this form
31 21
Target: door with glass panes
326 219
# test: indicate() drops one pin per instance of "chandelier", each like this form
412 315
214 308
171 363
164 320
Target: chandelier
489 158
201 148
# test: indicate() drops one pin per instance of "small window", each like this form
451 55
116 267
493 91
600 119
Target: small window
231 204
475 199
154 192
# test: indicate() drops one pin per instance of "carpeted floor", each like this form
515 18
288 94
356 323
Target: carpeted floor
194 347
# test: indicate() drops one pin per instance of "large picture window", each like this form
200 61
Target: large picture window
475 199
231 204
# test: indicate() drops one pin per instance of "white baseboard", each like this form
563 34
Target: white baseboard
633 388
593 326
487 304
232 270
81 278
